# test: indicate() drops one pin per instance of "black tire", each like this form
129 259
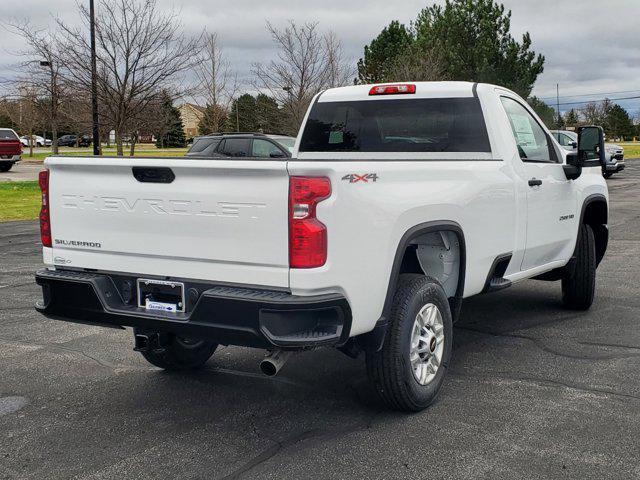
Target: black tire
5 167
579 285
181 354
389 369
607 174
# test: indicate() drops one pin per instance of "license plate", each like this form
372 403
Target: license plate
160 295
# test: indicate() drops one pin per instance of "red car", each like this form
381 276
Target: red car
10 149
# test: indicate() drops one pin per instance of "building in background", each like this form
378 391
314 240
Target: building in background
191 115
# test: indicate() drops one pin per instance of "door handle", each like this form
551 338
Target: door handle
534 182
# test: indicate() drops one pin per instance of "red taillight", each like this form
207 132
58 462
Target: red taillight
393 89
45 219
307 235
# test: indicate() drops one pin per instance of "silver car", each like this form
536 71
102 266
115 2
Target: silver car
615 153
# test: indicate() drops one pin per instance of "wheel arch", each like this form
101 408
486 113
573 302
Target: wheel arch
375 338
595 213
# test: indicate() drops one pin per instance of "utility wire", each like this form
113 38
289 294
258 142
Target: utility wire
591 94
600 100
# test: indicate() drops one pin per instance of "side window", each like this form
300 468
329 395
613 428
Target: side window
207 152
235 147
200 144
264 149
533 143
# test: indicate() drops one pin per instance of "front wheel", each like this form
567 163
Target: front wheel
607 174
5 167
579 284
182 353
409 370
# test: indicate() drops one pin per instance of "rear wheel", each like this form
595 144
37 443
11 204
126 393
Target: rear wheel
408 371
607 174
182 353
579 284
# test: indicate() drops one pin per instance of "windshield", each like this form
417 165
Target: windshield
396 125
6 134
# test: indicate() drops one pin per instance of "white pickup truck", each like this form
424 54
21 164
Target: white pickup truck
399 201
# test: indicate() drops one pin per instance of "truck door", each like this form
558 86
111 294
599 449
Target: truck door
551 199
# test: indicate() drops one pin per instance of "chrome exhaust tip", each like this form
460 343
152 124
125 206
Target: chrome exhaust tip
274 361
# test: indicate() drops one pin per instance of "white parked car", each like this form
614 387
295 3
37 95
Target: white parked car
38 141
615 153
399 201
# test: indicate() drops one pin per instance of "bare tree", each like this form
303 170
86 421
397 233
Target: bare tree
418 66
41 70
307 63
216 82
140 50
596 113
339 72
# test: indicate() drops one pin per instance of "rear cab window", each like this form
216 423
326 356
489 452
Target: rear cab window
6 134
396 125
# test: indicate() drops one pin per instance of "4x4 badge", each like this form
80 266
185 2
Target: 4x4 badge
365 177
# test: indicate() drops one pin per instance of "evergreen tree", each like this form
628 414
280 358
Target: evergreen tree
213 120
571 118
5 120
619 122
474 38
545 112
242 116
172 130
462 40
269 117
382 52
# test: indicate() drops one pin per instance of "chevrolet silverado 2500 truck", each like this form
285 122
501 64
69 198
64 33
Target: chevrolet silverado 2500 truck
399 201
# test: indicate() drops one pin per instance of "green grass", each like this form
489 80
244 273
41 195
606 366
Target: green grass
143 150
631 150
19 201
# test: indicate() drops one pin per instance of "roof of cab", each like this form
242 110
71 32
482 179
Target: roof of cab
423 90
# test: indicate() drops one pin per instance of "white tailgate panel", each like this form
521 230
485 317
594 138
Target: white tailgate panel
219 220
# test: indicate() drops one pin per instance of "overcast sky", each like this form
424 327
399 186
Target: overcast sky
590 46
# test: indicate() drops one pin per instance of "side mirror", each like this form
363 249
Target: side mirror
574 144
573 168
591 151
277 155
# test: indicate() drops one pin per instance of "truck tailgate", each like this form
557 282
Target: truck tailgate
218 220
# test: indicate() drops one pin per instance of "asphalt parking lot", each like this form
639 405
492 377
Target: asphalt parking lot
534 391
22 172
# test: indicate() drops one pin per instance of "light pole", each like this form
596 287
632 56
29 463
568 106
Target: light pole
94 85
54 107
287 88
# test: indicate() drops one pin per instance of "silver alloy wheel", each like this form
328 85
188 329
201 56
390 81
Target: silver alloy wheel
427 344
